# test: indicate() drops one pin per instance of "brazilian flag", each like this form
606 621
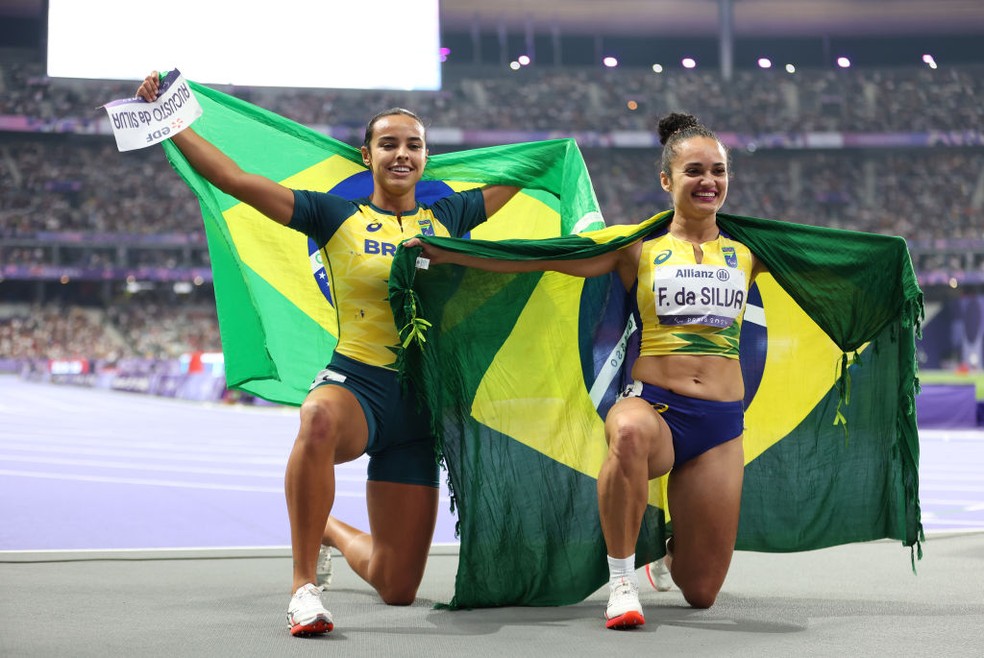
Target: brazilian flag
276 318
520 370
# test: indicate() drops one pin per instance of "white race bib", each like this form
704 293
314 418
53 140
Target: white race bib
710 295
137 124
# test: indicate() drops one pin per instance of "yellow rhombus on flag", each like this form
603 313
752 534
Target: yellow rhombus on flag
521 369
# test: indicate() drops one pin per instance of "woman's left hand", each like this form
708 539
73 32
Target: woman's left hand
435 255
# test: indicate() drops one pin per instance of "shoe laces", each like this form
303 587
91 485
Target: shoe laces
624 586
309 591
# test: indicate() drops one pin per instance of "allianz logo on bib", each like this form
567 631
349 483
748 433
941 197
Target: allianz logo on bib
688 273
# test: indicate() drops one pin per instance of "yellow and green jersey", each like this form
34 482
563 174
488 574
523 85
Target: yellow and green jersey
357 241
687 307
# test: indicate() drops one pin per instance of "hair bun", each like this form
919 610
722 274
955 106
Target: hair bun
674 123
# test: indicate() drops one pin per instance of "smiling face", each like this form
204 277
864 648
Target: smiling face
396 154
698 180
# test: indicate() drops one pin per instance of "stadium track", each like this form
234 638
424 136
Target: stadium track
139 524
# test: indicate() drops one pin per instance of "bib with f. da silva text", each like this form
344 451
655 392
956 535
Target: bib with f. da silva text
698 294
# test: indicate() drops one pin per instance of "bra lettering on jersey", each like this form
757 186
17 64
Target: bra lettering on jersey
698 294
376 247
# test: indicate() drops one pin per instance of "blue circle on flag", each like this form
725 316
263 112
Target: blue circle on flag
754 345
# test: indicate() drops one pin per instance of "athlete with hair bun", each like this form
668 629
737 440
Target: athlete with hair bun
684 413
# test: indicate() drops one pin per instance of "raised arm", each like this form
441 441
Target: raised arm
497 196
269 197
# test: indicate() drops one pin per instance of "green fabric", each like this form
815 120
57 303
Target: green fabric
842 468
277 327
519 389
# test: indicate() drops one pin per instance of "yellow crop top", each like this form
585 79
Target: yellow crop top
690 308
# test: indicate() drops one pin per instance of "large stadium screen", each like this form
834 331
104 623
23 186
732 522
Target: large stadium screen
357 44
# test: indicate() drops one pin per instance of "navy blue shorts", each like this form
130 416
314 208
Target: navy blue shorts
401 446
696 425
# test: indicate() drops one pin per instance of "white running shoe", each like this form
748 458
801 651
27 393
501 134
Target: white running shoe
323 570
624 609
659 575
306 614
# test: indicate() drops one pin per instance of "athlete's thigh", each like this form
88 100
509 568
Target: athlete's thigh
349 424
639 414
402 519
704 499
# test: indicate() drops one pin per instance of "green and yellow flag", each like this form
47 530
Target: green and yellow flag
276 319
520 369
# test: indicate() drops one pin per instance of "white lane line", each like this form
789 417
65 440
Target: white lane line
950 435
954 523
133 439
941 487
159 452
177 484
959 464
143 466
946 501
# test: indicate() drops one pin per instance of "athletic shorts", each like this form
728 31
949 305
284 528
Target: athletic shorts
696 425
401 446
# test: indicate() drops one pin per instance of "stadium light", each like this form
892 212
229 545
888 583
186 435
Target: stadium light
632 105
514 65
657 68
524 60
930 61
610 62
843 62
689 63
764 63
790 68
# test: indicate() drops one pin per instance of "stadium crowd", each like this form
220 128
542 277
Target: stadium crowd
54 185
70 200
131 328
905 99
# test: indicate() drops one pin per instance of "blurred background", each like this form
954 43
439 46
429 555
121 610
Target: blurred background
860 114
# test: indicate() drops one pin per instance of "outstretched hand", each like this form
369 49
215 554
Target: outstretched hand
435 255
149 87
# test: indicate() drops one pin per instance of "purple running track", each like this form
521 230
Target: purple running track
93 469
84 469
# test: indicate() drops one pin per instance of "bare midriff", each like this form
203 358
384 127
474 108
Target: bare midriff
704 377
